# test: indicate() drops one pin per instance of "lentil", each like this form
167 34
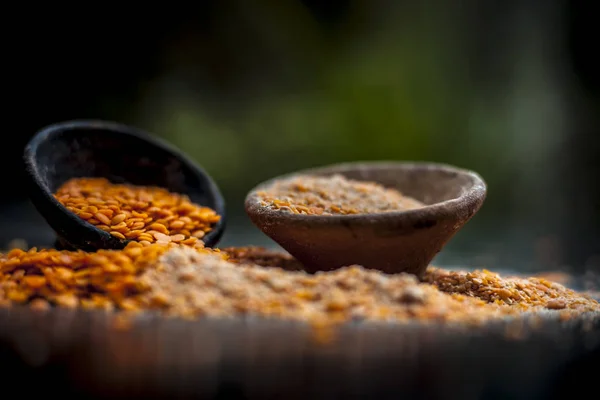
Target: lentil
145 214
524 294
193 284
106 279
333 195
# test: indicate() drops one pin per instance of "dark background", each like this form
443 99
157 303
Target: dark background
255 89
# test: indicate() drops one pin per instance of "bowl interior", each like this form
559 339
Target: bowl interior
427 182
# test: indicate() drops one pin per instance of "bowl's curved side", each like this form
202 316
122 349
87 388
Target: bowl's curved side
447 191
120 153
69 228
392 242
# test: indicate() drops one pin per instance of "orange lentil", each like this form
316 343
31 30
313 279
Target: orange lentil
102 217
177 238
104 279
121 209
524 293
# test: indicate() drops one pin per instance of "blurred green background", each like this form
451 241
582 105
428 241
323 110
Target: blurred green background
255 89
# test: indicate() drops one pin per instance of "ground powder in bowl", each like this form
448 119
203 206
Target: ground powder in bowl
333 195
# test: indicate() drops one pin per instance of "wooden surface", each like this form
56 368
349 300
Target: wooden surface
75 353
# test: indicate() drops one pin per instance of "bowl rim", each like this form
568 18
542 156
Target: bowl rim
473 194
46 133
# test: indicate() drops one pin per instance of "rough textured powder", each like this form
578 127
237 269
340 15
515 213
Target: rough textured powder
194 284
521 293
334 195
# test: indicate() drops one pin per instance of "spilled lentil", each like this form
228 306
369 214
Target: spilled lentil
209 285
524 294
106 279
144 214
333 195
181 281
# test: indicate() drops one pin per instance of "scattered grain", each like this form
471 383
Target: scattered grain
524 294
333 195
107 279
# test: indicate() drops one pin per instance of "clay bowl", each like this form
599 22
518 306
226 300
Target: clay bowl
391 242
119 153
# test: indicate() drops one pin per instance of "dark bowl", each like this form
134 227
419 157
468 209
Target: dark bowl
120 153
392 242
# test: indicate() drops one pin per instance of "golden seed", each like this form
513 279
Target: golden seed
34 281
162 237
137 225
108 212
117 219
117 234
177 238
159 227
146 236
177 224
133 234
119 226
102 218
191 240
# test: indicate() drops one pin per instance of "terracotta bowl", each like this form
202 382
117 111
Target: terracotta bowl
392 242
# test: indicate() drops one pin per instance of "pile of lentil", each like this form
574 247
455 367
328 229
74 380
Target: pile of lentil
333 195
106 279
182 281
524 294
145 214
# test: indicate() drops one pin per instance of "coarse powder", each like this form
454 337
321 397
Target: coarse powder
333 195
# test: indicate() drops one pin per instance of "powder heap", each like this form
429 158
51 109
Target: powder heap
518 293
524 294
145 214
203 284
182 281
333 195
